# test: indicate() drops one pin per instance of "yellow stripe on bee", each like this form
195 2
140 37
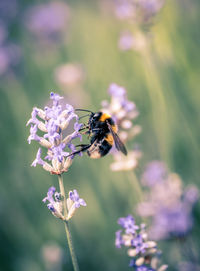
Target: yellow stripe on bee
114 128
109 139
104 117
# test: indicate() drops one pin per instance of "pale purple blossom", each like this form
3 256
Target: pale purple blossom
38 159
74 196
53 121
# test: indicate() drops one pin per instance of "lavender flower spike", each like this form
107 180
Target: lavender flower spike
143 253
73 203
53 121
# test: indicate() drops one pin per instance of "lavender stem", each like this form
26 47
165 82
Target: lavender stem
67 230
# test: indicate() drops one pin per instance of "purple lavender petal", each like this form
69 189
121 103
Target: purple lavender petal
56 98
33 135
128 223
118 239
33 118
74 196
38 159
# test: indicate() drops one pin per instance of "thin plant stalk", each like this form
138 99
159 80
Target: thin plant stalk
67 230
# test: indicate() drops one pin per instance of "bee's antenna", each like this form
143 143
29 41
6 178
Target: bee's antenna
84 116
78 109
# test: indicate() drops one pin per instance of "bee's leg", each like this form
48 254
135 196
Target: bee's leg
85 127
84 148
82 145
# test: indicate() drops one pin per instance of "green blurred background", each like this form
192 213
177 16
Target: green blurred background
163 81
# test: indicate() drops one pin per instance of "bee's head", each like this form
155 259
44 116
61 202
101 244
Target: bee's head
94 117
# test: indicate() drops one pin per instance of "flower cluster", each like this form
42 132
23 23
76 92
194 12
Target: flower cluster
123 113
143 252
55 204
167 203
53 121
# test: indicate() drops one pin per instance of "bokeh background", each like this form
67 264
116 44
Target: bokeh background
161 77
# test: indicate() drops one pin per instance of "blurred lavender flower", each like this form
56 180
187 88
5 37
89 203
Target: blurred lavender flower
133 41
125 41
143 252
69 75
55 204
53 121
168 204
123 112
10 53
154 173
49 21
125 9
141 13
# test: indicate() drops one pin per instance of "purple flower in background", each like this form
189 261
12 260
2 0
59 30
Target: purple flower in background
125 9
53 121
141 11
126 41
123 113
48 21
143 253
167 203
155 172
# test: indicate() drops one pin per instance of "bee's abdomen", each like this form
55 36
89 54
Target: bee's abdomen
99 150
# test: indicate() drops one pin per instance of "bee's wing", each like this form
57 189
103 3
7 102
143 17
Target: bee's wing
118 144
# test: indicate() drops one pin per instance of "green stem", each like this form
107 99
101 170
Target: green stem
67 230
71 248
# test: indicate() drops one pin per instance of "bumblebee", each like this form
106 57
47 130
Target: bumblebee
102 132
